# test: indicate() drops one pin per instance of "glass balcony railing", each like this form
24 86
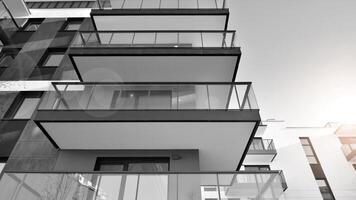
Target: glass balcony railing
259 144
143 186
169 39
162 4
149 96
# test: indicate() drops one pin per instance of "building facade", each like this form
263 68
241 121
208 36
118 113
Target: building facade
133 99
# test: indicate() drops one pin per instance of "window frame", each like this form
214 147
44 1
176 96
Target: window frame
72 21
327 186
47 55
16 104
259 167
309 144
125 161
34 21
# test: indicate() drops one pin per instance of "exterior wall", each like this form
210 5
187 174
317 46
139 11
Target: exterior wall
33 51
33 151
292 160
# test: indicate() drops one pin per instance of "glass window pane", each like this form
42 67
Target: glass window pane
6 61
111 167
312 160
53 60
304 141
60 5
321 183
308 150
2 165
32 27
109 187
153 187
26 109
148 167
73 26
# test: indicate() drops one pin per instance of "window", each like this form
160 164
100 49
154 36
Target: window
26 109
24 105
6 60
142 99
132 164
325 189
257 167
53 59
32 26
309 151
73 25
2 165
317 169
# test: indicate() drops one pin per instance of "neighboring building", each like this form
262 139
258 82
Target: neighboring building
137 99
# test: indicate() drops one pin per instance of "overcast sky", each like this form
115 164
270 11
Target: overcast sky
301 56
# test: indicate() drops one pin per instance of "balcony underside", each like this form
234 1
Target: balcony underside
153 64
222 137
160 19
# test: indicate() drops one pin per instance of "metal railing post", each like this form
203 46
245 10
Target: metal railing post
99 5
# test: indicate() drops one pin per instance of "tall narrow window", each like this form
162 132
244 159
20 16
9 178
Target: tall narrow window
309 151
318 172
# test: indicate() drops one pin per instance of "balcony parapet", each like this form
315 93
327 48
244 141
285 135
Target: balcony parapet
150 96
259 145
151 39
163 4
144 185
261 151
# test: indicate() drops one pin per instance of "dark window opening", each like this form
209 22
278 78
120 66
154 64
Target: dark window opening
132 164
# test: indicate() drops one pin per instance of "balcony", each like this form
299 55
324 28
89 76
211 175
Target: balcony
161 15
168 56
261 151
140 186
216 117
162 4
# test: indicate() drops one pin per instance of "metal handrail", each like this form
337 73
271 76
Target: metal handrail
159 6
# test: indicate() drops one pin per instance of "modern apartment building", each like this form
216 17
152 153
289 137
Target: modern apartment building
138 99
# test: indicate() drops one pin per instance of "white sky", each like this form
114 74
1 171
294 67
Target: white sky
300 56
